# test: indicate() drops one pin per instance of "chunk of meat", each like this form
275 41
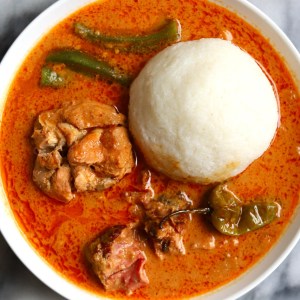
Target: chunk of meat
89 150
90 114
54 183
85 179
71 133
51 160
169 238
42 178
117 259
108 151
46 135
93 158
166 238
61 184
118 153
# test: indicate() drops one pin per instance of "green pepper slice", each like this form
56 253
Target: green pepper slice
230 217
88 65
51 78
169 33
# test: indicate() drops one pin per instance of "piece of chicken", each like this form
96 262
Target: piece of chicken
117 259
82 146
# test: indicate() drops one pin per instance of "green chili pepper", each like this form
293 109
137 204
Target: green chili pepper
88 65
169 33
230 217
51 78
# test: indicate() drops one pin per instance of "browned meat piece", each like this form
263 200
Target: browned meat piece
61 184
118 261
93 158
148 208
169 238
51 160
89 114
118 153
89 150
54 183
71 133
46 135
42 178
85 179
108 151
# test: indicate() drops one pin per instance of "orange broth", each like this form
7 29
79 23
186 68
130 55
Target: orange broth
59 231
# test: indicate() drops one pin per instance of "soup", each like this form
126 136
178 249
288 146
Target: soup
59 232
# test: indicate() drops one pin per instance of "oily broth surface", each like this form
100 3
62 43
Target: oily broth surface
59 231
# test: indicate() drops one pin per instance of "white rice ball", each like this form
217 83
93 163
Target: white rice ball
202 111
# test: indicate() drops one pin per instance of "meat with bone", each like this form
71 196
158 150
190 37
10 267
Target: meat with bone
82 146
117 259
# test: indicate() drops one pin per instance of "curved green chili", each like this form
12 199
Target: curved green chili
88 65
169 33
229 216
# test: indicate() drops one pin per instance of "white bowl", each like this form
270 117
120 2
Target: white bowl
8 225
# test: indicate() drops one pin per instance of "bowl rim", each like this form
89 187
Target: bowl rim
9 227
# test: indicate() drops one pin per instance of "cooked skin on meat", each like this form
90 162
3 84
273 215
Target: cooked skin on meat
46 135
61 183
74 154
71 133
89 150
85 179
90 114
169 238
51 160
117 152
117 259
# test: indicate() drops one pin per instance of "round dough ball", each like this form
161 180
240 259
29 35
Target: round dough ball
202 111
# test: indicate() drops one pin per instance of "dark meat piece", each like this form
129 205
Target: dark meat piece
169 238
92 158
118 261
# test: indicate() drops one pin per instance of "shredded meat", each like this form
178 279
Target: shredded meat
82 146
116 258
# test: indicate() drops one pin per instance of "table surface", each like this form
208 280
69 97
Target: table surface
16 282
